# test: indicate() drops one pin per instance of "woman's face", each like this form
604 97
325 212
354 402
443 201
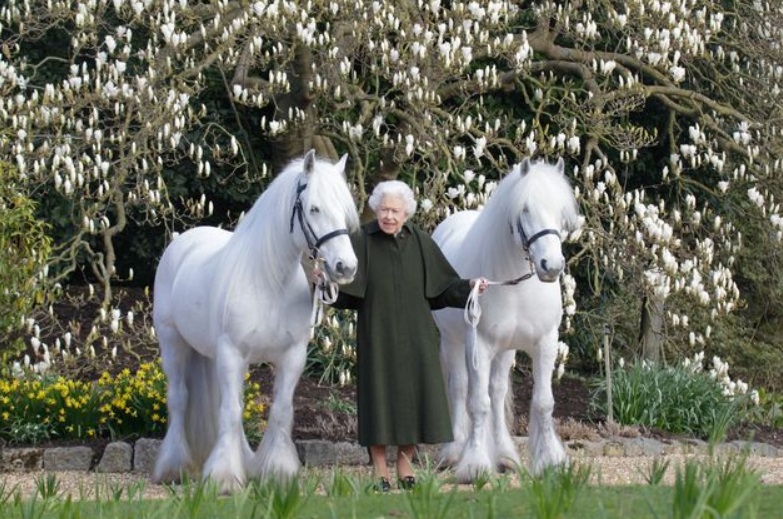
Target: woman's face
391 214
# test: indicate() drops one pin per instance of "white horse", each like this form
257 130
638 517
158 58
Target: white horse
224 300
515 239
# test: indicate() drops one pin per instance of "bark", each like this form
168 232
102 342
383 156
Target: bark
651 332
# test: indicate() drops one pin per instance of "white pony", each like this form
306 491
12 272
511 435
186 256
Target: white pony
515 240
224 300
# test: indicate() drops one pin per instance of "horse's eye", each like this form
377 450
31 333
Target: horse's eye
315 209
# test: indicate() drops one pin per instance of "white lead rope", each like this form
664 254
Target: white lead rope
472 316
324 292
472 313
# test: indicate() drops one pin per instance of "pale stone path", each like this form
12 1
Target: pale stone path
612 461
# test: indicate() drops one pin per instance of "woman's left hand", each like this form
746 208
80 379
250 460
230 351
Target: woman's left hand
482 284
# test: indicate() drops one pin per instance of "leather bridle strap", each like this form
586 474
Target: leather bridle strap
324 291
527 242
314 242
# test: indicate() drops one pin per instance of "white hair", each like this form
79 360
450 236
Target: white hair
393 188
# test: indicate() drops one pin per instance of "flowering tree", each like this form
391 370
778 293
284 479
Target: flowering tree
665 111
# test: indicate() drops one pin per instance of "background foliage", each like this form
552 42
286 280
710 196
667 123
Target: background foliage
128 121
24 252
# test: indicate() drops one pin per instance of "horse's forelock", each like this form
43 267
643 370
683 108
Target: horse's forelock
537 186
551 182
330 189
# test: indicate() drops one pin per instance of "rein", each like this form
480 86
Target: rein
325 291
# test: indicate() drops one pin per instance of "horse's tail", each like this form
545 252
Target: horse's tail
201 416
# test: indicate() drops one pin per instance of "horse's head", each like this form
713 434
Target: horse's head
326 213
548 212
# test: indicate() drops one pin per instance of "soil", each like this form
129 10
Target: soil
315 418
328 412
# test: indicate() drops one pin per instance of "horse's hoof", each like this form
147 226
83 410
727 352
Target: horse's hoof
507 465
170 478
469 474
225 486
446 463
449 456
507 468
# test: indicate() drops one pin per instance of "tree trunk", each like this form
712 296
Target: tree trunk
651 328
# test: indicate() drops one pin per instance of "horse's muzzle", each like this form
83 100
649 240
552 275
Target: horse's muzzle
342 273
549 271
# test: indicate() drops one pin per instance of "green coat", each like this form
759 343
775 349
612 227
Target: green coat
400 279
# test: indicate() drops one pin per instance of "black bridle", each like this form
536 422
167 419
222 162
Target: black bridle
313 241
526 243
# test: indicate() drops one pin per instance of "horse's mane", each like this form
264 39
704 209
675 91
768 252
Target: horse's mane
254 254
252 246
543 189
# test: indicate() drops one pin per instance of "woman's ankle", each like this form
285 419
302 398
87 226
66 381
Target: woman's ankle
380 466
405 461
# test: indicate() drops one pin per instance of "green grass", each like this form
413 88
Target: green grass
594 502
719 487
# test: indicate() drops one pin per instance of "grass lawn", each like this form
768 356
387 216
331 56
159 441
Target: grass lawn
526 501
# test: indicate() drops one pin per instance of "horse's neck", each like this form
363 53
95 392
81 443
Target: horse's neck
496 254
274 256
508 261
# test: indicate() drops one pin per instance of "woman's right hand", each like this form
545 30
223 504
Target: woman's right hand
317 275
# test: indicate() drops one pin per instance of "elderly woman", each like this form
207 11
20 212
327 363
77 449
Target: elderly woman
402 276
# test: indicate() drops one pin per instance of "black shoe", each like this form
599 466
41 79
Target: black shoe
383 485
407 483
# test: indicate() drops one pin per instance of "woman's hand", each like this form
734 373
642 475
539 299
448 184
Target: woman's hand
317 275
483 283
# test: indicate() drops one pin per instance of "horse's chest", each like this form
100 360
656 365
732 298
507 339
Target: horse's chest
264 339
523 315
272 325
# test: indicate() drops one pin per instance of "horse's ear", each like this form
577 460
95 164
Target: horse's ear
560 166
524 167
309 162
341 164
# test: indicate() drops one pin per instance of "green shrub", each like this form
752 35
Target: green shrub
678 399
24 250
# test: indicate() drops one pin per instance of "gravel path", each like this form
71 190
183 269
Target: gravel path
604 470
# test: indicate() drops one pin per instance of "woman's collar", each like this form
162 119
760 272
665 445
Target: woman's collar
374 227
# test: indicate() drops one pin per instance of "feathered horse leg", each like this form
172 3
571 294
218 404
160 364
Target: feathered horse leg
225 465
475 458
546 449
505 452
276 456
174 458
452 354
